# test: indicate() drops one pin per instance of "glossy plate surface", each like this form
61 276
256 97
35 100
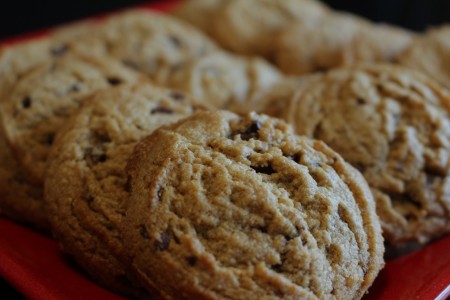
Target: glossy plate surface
33 264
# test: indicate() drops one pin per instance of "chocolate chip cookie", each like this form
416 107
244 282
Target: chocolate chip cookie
429 54
393 125
86 183
223 206
340 39
43 99
146 41
248 26
225 80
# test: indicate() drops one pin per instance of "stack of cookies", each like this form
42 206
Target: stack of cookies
161 162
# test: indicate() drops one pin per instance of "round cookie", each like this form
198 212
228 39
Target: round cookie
248 27
18 59
303 48
430 54
340 39
229 207
393 125
148 42
43 99
226 80
86 181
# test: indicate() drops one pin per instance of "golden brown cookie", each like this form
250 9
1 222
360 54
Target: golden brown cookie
393 125
31 113
430 54
225 80
340 39
200 13
229 207
86 182
248 27
43 99
145 41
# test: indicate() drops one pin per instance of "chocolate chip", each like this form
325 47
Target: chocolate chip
101 158
261 228
60 50
175 41
75 87
163 243
102 138
263 169
127 186
26 102
177 95
143 232
192 260
360 101
50 138
360 167
89 199
277 267
114 80
161 110
251 132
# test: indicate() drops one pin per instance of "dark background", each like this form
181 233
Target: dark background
18 16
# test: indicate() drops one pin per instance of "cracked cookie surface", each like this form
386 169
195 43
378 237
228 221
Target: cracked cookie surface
87 183
393 125
229 207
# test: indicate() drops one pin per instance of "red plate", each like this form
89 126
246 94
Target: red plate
33 264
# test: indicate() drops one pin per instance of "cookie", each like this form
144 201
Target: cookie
86 182
302 48
248 27
393 125
199 13
19 200
225 80
148 42
17 59
429 54
340 39
382 43
43 99
229 207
